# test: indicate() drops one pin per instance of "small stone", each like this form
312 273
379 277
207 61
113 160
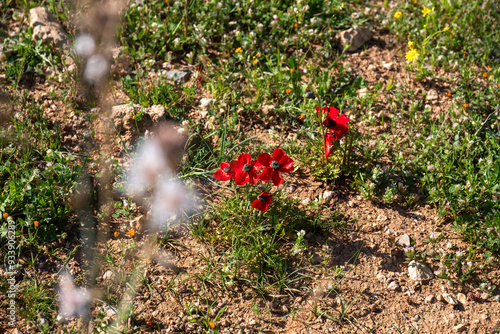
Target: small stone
462 298
206 103
108 275
388 66
419 272
459 328
404 240
449 299
382 218
430 298
156 112
47 29
393 286
327 195
485 316
354 37
432 95
252 322
381 278
179 76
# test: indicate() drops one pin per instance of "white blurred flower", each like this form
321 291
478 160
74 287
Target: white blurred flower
96 69
260 26
84 46
275 17
74 301
171 198
148 165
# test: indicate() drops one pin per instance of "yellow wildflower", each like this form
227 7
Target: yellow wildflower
116 234
238 50
292 70
211 324
411 45
412 55
398 15
131 233
446 28
35 223
255 62
5 214
288 90
427 11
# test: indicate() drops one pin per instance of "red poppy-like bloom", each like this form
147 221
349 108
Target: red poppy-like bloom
245 169
334 122
329 137
280 162
262 201
225 172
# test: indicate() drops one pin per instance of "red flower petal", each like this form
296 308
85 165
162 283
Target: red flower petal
265 159
278 154
328 143
261 206
343 119
287 165
241 179
256 165
253 177
266 174
277 178
236 167
245 158
334 112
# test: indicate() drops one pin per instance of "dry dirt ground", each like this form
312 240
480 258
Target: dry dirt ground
370 262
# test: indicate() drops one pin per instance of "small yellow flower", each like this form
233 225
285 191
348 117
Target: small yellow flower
288 90
258 54
398 15
131 233
292 70
116 234
255 62
412 55
238 50
411 45
329 28
301 117
295 25
211 324
35 223
446 28
426 11
5 214
485 75
466 105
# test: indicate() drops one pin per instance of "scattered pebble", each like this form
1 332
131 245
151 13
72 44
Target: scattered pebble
382 217
449 299
462 298
459 328
108 275
430 298
393 286
419 272
432 95
381 278
404 240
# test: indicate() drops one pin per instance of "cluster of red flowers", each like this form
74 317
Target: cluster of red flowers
245 170
337 125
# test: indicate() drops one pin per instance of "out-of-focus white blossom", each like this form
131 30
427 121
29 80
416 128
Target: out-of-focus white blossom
171 198
96 69
149 164
74 301
84 46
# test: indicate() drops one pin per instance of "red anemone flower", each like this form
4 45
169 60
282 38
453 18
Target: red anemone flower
280 162
225 172
245 169
334 122
329 137
262 201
